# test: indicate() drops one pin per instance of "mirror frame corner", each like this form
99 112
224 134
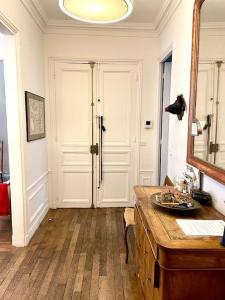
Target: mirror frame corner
207 168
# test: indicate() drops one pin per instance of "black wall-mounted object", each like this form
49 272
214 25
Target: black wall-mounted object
202 197
178 107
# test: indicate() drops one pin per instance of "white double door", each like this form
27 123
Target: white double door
211 103
87 95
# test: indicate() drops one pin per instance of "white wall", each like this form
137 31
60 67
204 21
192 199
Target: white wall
102 45
31 58
212 44
178 33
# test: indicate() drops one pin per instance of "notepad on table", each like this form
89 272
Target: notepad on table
202 227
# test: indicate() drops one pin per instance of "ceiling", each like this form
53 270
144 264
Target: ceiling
145 11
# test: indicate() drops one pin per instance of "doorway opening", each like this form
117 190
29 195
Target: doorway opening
5 211
166 71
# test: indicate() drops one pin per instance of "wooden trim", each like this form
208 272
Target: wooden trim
205 167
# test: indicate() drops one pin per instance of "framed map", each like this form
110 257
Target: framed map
35 115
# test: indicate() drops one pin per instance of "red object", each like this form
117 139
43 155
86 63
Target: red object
4 200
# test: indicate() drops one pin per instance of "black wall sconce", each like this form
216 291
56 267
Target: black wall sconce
178 107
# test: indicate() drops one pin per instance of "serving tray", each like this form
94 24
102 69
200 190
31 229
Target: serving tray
181 203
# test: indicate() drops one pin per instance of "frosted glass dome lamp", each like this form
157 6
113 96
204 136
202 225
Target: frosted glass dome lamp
97 11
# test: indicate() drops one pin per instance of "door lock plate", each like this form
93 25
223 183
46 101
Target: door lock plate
94 149
213 148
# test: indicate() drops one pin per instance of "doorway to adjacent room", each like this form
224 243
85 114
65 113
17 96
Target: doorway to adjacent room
166 70
5 219
13 195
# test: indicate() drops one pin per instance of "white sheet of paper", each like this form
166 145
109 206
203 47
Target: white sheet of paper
202 227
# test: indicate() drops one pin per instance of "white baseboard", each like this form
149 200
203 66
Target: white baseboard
18 241
115 204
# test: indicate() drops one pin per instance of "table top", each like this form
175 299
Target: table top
166 231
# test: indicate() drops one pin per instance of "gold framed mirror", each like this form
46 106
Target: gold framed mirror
206 128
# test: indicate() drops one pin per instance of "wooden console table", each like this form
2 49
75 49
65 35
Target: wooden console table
171 265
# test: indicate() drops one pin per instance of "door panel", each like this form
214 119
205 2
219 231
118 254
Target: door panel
73 183
115 188
116 107
205 96
118 102
220 156
73 109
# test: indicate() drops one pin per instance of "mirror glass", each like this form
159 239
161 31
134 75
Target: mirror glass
209 142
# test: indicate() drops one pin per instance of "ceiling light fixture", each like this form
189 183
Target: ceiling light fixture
97 11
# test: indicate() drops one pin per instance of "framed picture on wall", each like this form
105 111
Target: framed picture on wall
35 116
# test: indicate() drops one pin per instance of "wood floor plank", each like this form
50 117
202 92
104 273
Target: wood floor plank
70 253
105 290
64 238
75 254
19 292
12 273
94 291
116 259
5 230
68 294
48 277
80 274
89 248
131 290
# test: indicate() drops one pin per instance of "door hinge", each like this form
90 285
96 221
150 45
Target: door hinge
156 274
94 149
213 148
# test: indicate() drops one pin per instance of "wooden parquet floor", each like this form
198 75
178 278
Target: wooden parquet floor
5 230
75 254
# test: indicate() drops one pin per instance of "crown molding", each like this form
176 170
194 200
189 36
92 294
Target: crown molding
119 25
166 12
8 25
119 29
213 28
37 12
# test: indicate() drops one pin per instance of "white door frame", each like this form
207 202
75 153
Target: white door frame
51 113
164 121
169 52
16 124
